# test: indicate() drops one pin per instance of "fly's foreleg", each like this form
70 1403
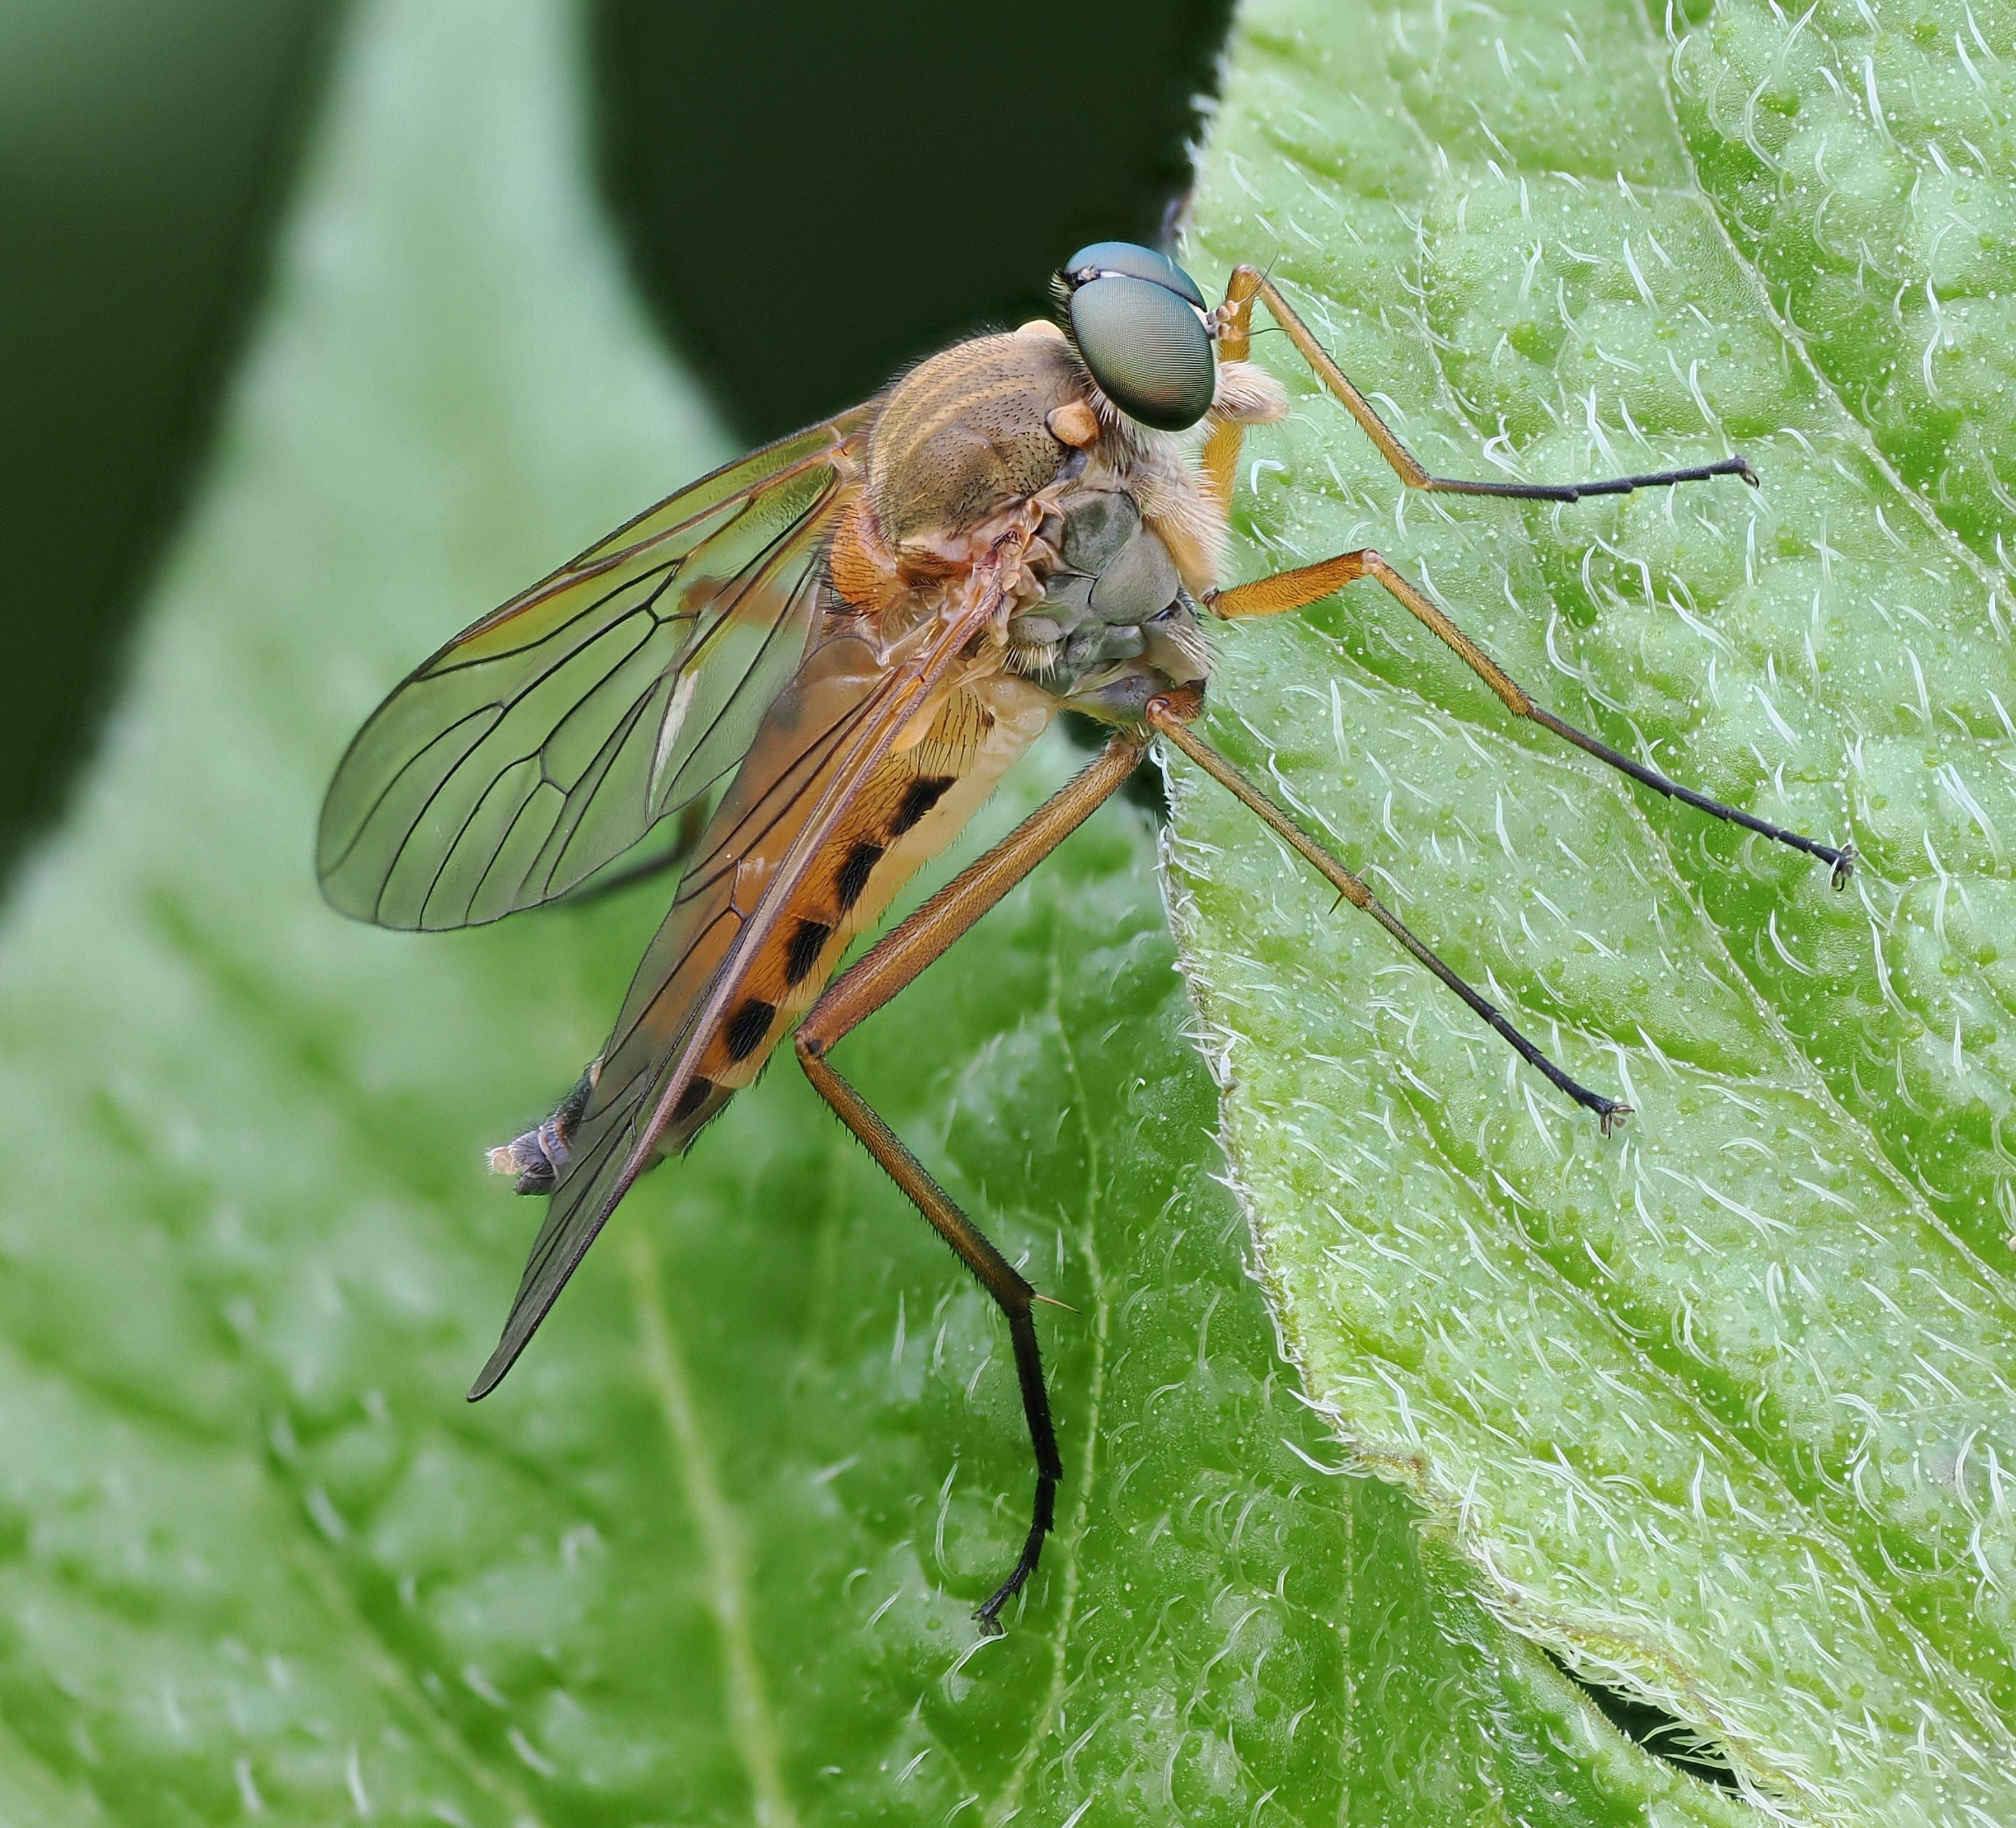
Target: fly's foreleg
1235 322
1311 584
886 968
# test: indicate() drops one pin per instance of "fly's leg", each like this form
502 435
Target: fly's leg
1171 720
1311 584
1235 332
886 969
686 836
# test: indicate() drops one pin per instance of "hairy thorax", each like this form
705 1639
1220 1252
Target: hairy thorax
1117 531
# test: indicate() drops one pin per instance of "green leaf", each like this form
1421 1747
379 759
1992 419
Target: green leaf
711 1553
1718 1409
1863 165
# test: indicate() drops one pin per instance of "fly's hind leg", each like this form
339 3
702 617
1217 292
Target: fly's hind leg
1311 584
886 969
1171 719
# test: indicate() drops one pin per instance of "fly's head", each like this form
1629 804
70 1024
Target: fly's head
1150 344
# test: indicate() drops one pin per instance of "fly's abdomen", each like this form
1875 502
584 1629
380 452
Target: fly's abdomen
904 811
907 810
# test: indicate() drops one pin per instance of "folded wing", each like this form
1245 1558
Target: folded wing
770 845
650 1097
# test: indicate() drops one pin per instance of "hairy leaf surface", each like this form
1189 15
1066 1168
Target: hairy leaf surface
1718 1408
1714 1412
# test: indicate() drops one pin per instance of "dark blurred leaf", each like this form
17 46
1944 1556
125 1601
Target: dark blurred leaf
145 152
815 194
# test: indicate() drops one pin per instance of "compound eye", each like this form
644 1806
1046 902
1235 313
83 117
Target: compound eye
1148 348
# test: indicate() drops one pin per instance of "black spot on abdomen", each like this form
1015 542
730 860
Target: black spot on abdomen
748 1027
807 941
855 872
923 794
697 1092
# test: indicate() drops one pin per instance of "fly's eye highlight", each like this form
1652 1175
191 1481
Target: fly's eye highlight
1136 318
1104 259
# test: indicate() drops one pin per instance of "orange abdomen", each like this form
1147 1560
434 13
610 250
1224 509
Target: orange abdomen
909 806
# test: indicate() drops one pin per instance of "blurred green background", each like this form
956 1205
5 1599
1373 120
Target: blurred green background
809 194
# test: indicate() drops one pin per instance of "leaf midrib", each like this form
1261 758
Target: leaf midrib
752 1727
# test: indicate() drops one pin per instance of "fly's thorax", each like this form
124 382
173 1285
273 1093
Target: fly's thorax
1114 615
968 432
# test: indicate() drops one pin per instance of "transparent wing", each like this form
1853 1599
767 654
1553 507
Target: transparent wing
810 754
555 733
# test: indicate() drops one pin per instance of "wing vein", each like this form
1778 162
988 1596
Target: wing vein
523 756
